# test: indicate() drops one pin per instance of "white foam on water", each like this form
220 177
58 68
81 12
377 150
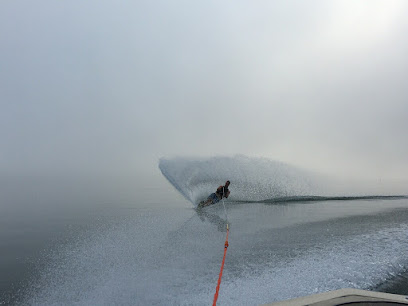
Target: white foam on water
362 262
173 259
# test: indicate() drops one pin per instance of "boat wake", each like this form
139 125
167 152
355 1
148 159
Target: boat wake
301 199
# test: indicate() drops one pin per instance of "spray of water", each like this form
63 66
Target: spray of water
252 179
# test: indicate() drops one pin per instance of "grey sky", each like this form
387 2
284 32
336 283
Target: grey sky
106 88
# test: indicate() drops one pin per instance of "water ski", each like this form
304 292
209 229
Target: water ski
202 204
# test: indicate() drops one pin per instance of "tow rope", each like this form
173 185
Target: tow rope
223 259
222 268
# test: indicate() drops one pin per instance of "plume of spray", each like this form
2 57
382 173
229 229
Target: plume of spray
252 179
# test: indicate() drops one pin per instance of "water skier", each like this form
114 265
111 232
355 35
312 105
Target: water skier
222 192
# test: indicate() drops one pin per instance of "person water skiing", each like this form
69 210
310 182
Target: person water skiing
222 192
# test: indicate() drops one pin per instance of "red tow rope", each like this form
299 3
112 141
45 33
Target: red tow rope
222 268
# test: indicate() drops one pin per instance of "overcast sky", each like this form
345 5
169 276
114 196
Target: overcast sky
108 87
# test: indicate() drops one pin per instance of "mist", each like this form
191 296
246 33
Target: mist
93 93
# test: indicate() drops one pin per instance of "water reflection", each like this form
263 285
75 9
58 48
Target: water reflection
219 222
